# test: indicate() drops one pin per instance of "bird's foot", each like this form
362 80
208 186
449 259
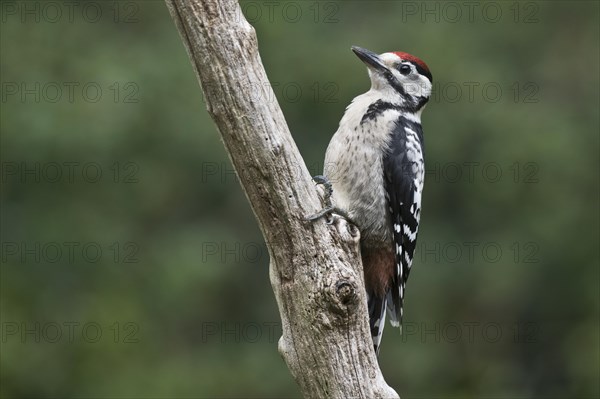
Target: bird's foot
328 209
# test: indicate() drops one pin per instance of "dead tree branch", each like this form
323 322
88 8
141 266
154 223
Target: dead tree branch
315 270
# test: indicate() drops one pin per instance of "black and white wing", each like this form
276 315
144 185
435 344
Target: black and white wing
404 171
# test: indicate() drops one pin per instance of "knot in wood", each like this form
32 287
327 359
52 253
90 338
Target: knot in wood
345 292
343 297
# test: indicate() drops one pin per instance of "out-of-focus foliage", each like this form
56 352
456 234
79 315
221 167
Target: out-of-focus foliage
161 254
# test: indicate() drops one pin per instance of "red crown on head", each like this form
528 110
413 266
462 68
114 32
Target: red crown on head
412 58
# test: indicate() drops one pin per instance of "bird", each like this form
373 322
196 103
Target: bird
374 169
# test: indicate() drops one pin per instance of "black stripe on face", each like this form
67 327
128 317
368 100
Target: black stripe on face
421 101
394 83
414 103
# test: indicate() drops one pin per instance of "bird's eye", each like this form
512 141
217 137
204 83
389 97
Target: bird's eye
405 69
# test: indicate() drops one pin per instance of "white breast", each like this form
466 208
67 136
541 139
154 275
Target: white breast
354 165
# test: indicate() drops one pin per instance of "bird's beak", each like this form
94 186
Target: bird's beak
371 59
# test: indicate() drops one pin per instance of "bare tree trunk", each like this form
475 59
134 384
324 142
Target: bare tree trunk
315 270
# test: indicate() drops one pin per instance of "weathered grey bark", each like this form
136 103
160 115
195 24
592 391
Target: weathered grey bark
315 270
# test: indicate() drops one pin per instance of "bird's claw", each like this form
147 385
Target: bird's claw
323 212
324 181
329 209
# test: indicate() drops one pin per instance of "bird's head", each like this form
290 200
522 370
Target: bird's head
398 75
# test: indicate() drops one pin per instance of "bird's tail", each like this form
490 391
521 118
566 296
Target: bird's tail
377 307
394 308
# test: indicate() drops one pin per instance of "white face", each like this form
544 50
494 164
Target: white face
405 73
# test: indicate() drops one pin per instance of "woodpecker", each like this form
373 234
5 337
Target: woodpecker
374 165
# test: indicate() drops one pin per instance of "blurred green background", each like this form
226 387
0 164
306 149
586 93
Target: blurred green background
133 267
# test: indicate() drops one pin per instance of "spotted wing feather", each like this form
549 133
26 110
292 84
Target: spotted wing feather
404 173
